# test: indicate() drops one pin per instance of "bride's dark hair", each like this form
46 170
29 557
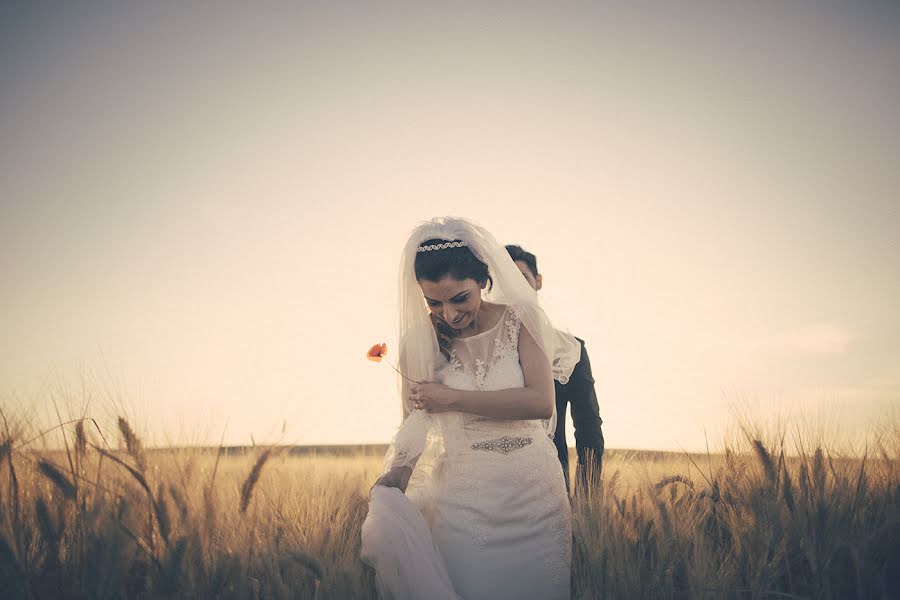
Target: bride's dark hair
458 263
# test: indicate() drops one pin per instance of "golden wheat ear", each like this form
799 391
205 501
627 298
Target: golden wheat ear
132 442
59 479
252 479
80 440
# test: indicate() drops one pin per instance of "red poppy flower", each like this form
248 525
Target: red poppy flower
377 352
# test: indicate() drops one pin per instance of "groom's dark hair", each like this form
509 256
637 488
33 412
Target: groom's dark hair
516 252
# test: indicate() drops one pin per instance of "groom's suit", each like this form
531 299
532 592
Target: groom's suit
580 393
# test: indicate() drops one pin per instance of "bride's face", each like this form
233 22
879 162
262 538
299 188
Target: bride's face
456 301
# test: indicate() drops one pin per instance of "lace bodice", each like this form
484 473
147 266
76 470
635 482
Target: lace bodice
487 361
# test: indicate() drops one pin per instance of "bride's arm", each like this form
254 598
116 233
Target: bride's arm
398 475
534 401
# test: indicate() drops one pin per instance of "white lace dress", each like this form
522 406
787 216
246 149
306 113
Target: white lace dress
498 509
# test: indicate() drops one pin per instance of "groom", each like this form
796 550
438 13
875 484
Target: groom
579 392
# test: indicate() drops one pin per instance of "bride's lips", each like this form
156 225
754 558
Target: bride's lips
458 320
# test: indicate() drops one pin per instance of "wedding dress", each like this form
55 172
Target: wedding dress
485 514
494 498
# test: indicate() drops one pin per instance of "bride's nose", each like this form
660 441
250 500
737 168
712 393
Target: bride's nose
449 315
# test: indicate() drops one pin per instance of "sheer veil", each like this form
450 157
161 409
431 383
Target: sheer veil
420 357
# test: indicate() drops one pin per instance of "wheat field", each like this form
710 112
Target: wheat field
111 519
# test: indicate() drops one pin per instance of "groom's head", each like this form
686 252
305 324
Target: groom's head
527 263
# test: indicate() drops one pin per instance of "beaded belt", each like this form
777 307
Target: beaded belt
504 445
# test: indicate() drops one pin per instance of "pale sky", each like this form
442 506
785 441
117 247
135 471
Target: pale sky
202 208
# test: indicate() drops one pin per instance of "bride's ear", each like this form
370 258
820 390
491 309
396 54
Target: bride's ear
538 282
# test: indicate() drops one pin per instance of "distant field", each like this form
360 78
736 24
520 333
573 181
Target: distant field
94 522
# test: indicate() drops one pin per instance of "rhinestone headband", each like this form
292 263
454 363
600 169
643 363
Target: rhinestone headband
444 246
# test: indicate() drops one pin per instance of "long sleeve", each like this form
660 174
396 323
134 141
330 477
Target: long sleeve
579 392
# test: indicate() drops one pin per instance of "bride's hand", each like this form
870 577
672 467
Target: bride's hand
397 477
433 397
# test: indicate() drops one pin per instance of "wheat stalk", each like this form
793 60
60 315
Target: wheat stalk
787 488
50 531
54 474
252 478
132 443
80 439
674 479
162 514
766 461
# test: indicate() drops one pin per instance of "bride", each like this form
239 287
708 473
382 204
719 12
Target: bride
485 512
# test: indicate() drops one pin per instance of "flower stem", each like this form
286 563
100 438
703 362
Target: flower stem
399 373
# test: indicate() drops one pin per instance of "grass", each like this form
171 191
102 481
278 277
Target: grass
756 521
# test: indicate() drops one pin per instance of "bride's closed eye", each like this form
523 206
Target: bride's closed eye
453 301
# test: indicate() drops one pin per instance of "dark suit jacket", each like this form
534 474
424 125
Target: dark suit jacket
580 393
